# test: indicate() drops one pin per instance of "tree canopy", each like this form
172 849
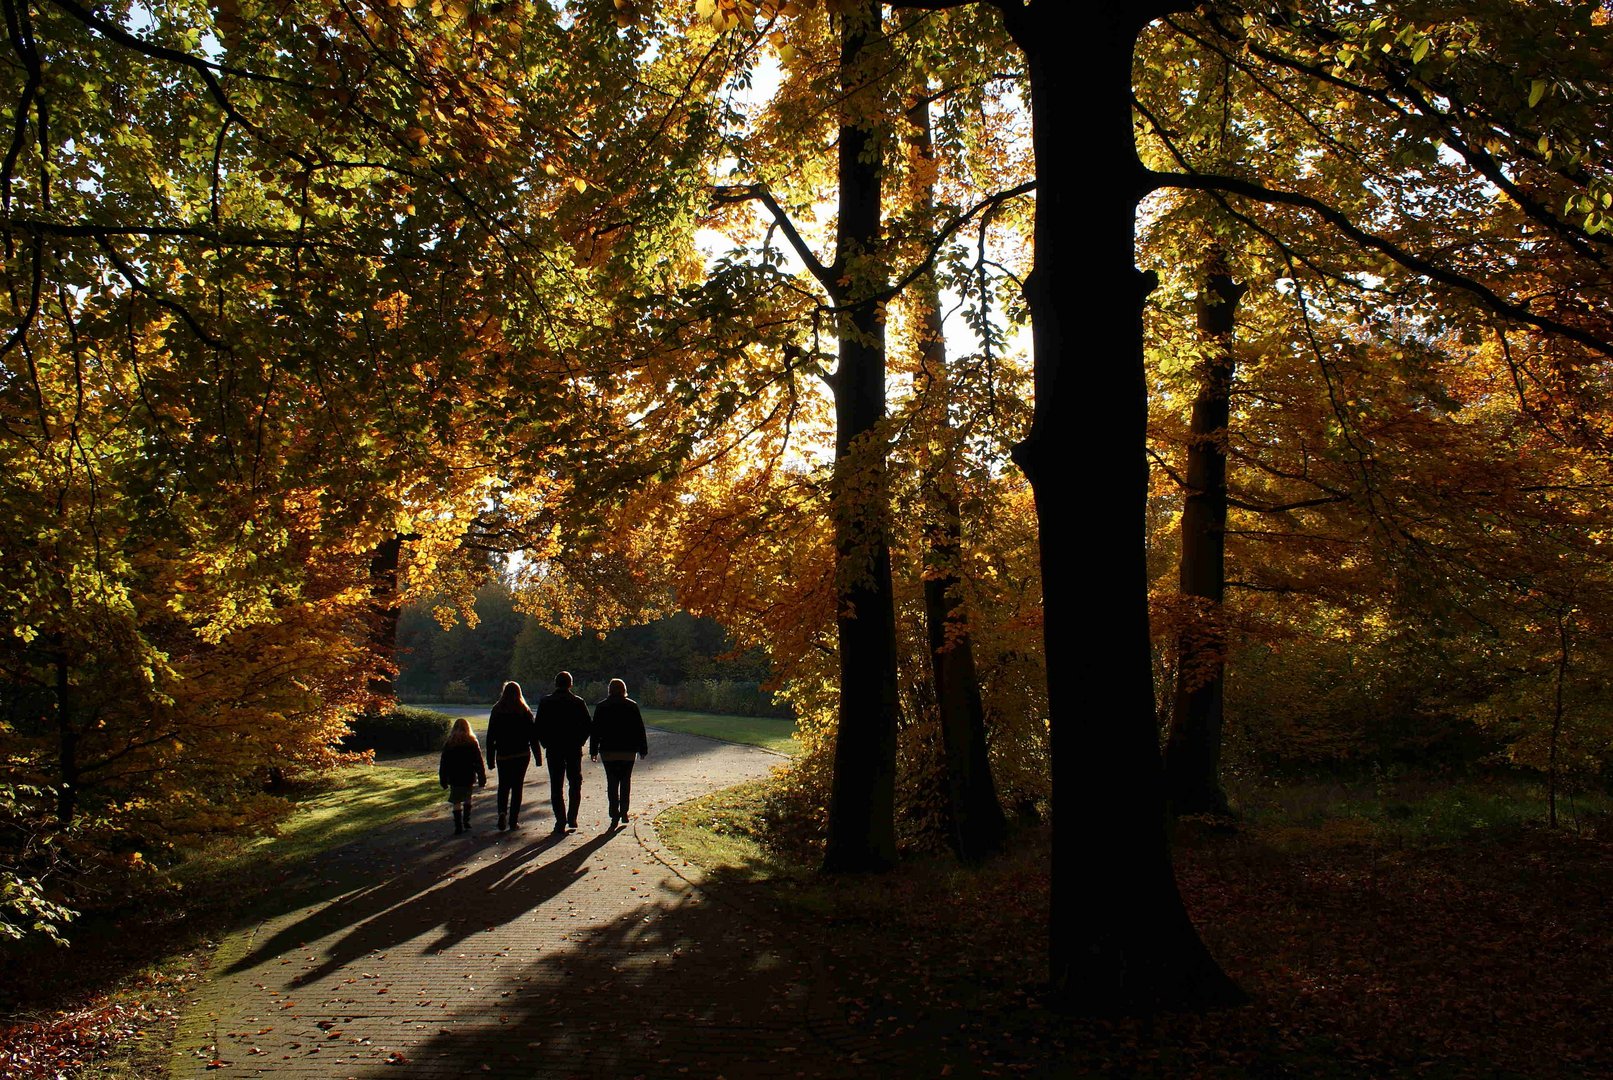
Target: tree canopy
1281 372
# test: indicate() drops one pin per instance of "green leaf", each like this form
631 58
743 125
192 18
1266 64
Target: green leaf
1537 90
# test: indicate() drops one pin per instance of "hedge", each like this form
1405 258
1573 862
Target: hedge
407 730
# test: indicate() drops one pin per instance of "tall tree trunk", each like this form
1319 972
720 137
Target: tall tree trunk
1120 937
978 824
1193 747
66 742
1557 717
384 562
862 801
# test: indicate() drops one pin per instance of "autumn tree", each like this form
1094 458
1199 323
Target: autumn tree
1129 944
1350 124
977 824
327 285
788 181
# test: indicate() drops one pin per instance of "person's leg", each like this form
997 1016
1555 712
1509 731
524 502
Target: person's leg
613 789
627 788
517 787
557 788
504 789
459 819
466 817
574 776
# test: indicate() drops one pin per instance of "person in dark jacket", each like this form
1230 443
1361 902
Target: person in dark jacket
617 735
459 768
511 742
563 725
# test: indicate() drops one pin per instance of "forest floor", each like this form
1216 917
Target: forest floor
1412 928
1407 929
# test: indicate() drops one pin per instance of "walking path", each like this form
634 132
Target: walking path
520 954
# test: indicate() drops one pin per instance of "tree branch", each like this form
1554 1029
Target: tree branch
1500 305
1283 508
736 193
987 205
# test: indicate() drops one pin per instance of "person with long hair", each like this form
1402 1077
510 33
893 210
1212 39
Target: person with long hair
618 734
459 768
511 742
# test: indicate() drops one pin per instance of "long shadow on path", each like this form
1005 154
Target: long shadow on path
414 905
408 875
355 902
680 983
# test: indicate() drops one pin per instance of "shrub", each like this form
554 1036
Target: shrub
29 909
592 691
405 730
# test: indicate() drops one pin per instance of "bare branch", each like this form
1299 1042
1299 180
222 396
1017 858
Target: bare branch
734 193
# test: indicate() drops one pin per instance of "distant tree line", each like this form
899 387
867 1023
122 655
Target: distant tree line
679 661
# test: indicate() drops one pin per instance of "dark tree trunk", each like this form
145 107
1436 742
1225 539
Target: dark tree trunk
1193 747
978 825
384 561
1557 717
1120 938
862 802
67 744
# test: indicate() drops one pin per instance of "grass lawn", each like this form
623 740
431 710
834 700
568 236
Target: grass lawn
108 1005
764 731
360 800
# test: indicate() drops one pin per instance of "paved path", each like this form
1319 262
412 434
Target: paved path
519 954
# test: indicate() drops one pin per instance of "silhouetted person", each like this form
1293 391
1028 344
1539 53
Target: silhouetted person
618 734
459 768
511 742
563 725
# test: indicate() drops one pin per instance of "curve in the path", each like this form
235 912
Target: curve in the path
519 954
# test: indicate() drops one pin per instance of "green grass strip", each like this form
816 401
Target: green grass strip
767 732
362 799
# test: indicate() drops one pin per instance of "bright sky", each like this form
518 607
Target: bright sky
713 244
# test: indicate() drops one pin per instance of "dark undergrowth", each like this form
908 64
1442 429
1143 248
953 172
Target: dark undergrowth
1414 928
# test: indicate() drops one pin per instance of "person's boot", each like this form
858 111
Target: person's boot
459 821
467 817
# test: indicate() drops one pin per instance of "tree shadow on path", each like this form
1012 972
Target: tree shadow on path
679 982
